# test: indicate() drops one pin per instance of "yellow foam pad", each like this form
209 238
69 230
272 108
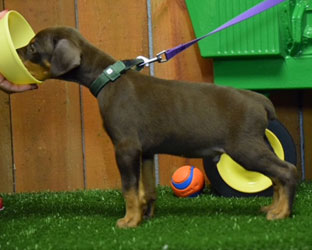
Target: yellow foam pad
248 181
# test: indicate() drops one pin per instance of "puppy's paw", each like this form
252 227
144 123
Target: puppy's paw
277 215
148 212
127 222
266 209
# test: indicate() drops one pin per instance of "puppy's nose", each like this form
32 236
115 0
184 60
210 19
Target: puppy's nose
21 52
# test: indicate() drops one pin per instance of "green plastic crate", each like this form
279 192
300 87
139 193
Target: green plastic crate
272 50
264 34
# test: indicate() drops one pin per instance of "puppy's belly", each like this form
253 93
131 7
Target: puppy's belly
188 151
208 152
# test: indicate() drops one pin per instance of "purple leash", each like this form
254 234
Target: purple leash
170 53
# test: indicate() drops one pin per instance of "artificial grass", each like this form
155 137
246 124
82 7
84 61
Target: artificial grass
86 220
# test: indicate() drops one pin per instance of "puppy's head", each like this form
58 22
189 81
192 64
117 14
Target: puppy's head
52 53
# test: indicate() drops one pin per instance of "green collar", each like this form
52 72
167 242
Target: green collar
112 73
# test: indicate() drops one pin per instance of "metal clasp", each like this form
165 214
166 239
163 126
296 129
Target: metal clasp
160 57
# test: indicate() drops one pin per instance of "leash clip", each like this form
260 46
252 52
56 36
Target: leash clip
158 58
161 58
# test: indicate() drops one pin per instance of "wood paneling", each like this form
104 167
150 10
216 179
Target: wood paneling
171 27
6 171
46 123
307 118
286 104
120 29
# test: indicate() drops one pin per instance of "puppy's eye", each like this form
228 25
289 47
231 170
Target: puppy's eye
32 48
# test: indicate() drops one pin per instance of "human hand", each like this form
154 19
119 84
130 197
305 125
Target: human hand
9 87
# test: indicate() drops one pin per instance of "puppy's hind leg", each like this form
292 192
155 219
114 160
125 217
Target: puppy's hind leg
287 185
128 158
147 187
254 155
276 197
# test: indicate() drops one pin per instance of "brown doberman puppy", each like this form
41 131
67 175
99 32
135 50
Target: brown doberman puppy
144 115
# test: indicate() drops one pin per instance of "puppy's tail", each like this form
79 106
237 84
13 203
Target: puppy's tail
268 105
265 102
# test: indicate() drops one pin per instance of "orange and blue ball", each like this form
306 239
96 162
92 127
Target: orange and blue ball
187 181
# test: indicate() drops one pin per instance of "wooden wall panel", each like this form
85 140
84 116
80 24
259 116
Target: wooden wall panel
287 109
46 123
171 27
307 112
120 29
6 171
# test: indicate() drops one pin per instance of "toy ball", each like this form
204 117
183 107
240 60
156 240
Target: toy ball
1 204
187 181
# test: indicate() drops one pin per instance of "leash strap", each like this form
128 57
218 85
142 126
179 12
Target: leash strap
112 73
259 8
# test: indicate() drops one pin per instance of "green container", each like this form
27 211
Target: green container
272 50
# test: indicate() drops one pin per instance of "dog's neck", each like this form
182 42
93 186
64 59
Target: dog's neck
93 62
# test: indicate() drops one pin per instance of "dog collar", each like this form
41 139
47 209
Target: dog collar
112 73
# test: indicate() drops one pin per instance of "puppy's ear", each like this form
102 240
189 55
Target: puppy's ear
66 56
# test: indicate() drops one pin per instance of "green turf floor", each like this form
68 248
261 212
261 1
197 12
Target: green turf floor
86 220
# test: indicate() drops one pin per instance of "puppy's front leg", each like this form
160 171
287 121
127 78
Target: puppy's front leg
147 187
129 160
